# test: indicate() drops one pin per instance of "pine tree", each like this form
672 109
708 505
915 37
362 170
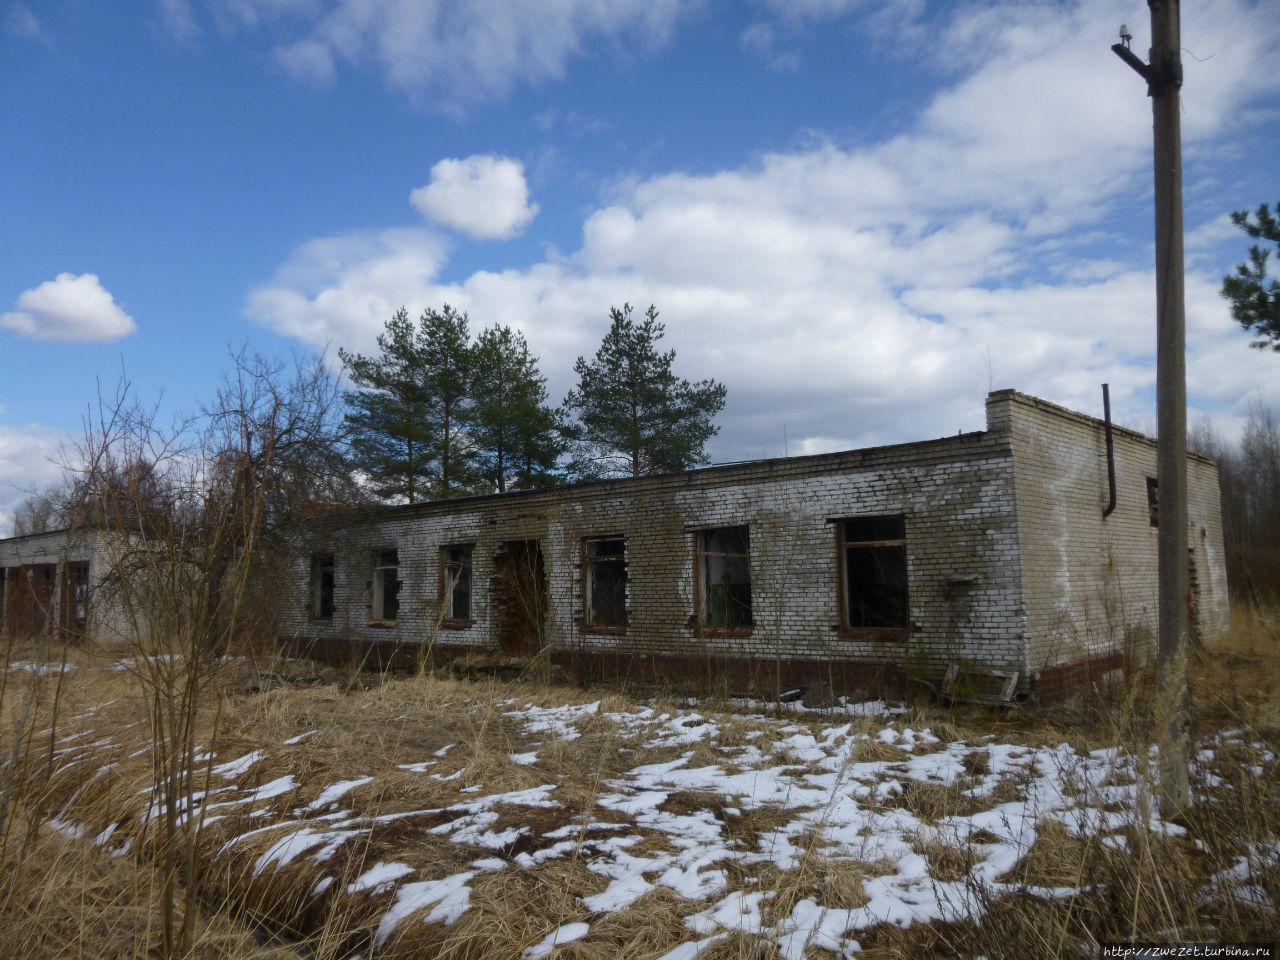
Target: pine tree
634 416
409 414
389 414
1255 300
446 358
514 433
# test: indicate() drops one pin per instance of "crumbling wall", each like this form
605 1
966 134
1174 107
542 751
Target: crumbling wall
955 496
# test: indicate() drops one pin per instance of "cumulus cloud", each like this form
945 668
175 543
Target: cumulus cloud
455 53
870 294
483 196
27 455
69 308
344 289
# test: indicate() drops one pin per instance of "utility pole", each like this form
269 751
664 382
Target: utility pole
1164 81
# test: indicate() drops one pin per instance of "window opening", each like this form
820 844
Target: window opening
724 564
322 586
874 552
75 598
457 583
386 585
605 582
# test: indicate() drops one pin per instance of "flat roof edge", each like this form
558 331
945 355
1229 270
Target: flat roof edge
385 511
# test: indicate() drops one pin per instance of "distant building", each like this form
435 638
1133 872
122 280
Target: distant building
48 581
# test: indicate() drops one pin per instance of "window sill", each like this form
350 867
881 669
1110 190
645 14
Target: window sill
873 634
705 631
614 631
381 624
456 624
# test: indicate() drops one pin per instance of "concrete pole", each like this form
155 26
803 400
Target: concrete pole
1171 400
1164 82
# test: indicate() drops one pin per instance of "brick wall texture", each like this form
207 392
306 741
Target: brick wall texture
1010 565
105 620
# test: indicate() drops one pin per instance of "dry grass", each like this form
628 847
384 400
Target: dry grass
65 898
62 899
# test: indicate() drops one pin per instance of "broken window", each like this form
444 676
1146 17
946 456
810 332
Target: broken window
457 584
322 586
385 586
1153 501
605 582
75 598
874 556
724 567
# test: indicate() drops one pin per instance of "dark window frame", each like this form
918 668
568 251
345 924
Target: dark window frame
322 601
702 622
384 560
1153 501
448 593
846 541
591 565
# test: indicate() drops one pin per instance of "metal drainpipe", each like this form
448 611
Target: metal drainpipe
1111 453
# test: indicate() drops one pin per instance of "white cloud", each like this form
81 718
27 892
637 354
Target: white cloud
873 294
454 53
179 19
251 13
485 197
344 289
69 308
308 60
761 40
21 22
814 9
27 466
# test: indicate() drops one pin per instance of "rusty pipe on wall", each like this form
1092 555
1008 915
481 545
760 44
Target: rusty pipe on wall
1111 453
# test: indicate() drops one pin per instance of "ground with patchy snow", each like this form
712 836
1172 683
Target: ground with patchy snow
425 806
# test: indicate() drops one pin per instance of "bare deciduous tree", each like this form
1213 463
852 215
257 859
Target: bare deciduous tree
199 515
1250 481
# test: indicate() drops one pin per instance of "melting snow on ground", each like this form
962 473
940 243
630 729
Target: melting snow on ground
838 792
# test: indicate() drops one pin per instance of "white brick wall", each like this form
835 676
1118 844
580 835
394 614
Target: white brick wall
1091 583
962 558
1010 563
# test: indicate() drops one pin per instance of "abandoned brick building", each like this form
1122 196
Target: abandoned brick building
46 582
987 550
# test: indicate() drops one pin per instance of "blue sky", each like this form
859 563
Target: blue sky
859 215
